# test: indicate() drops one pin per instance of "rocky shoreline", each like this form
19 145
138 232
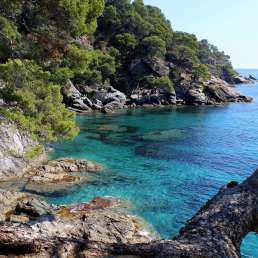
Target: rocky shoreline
30 227
107 99
103 219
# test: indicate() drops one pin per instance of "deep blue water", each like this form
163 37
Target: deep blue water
168 162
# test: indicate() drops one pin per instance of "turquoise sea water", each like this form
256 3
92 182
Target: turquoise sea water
167 162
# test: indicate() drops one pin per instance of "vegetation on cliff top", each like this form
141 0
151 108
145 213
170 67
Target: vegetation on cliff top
45 43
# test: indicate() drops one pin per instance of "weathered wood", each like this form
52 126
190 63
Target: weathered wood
216 231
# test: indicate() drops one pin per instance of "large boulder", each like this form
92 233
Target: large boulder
195 97
242 80
108 94
102 220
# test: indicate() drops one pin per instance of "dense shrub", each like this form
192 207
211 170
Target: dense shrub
35 101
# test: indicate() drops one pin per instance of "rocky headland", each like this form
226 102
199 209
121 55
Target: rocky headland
105 98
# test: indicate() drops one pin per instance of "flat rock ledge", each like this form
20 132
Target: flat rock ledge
58 174
95 229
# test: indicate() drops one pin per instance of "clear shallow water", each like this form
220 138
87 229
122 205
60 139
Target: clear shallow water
168 162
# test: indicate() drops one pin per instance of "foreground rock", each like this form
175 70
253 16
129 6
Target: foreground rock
216 231
14 147
42 230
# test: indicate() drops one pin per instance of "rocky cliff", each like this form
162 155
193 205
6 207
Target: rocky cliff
17 151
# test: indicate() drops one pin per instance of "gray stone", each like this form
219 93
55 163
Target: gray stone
13 146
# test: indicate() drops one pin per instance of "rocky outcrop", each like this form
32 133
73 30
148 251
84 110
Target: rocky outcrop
83 98
91 230
212 92
243 79
14 145
63 231
187 90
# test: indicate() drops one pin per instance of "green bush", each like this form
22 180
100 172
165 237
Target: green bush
154 46
93 66
38 101
164 83
33 151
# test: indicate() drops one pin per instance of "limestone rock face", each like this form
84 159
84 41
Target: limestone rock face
219 91
149 66
13 146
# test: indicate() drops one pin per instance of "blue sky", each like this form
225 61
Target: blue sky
232 25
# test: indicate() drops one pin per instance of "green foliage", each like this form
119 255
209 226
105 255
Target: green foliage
79 16
217 61
8 37
201 71
126 42
37 58
154 46
134 21
33 151
62 75
164 83
183 50
7 29
92 66
38 107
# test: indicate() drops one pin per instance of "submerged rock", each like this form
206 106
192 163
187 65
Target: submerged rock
162 135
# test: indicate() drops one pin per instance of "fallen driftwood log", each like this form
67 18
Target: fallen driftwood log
216 231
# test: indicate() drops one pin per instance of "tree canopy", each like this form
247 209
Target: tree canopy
38 55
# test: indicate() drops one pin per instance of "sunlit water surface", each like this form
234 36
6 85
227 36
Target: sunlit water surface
168 162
